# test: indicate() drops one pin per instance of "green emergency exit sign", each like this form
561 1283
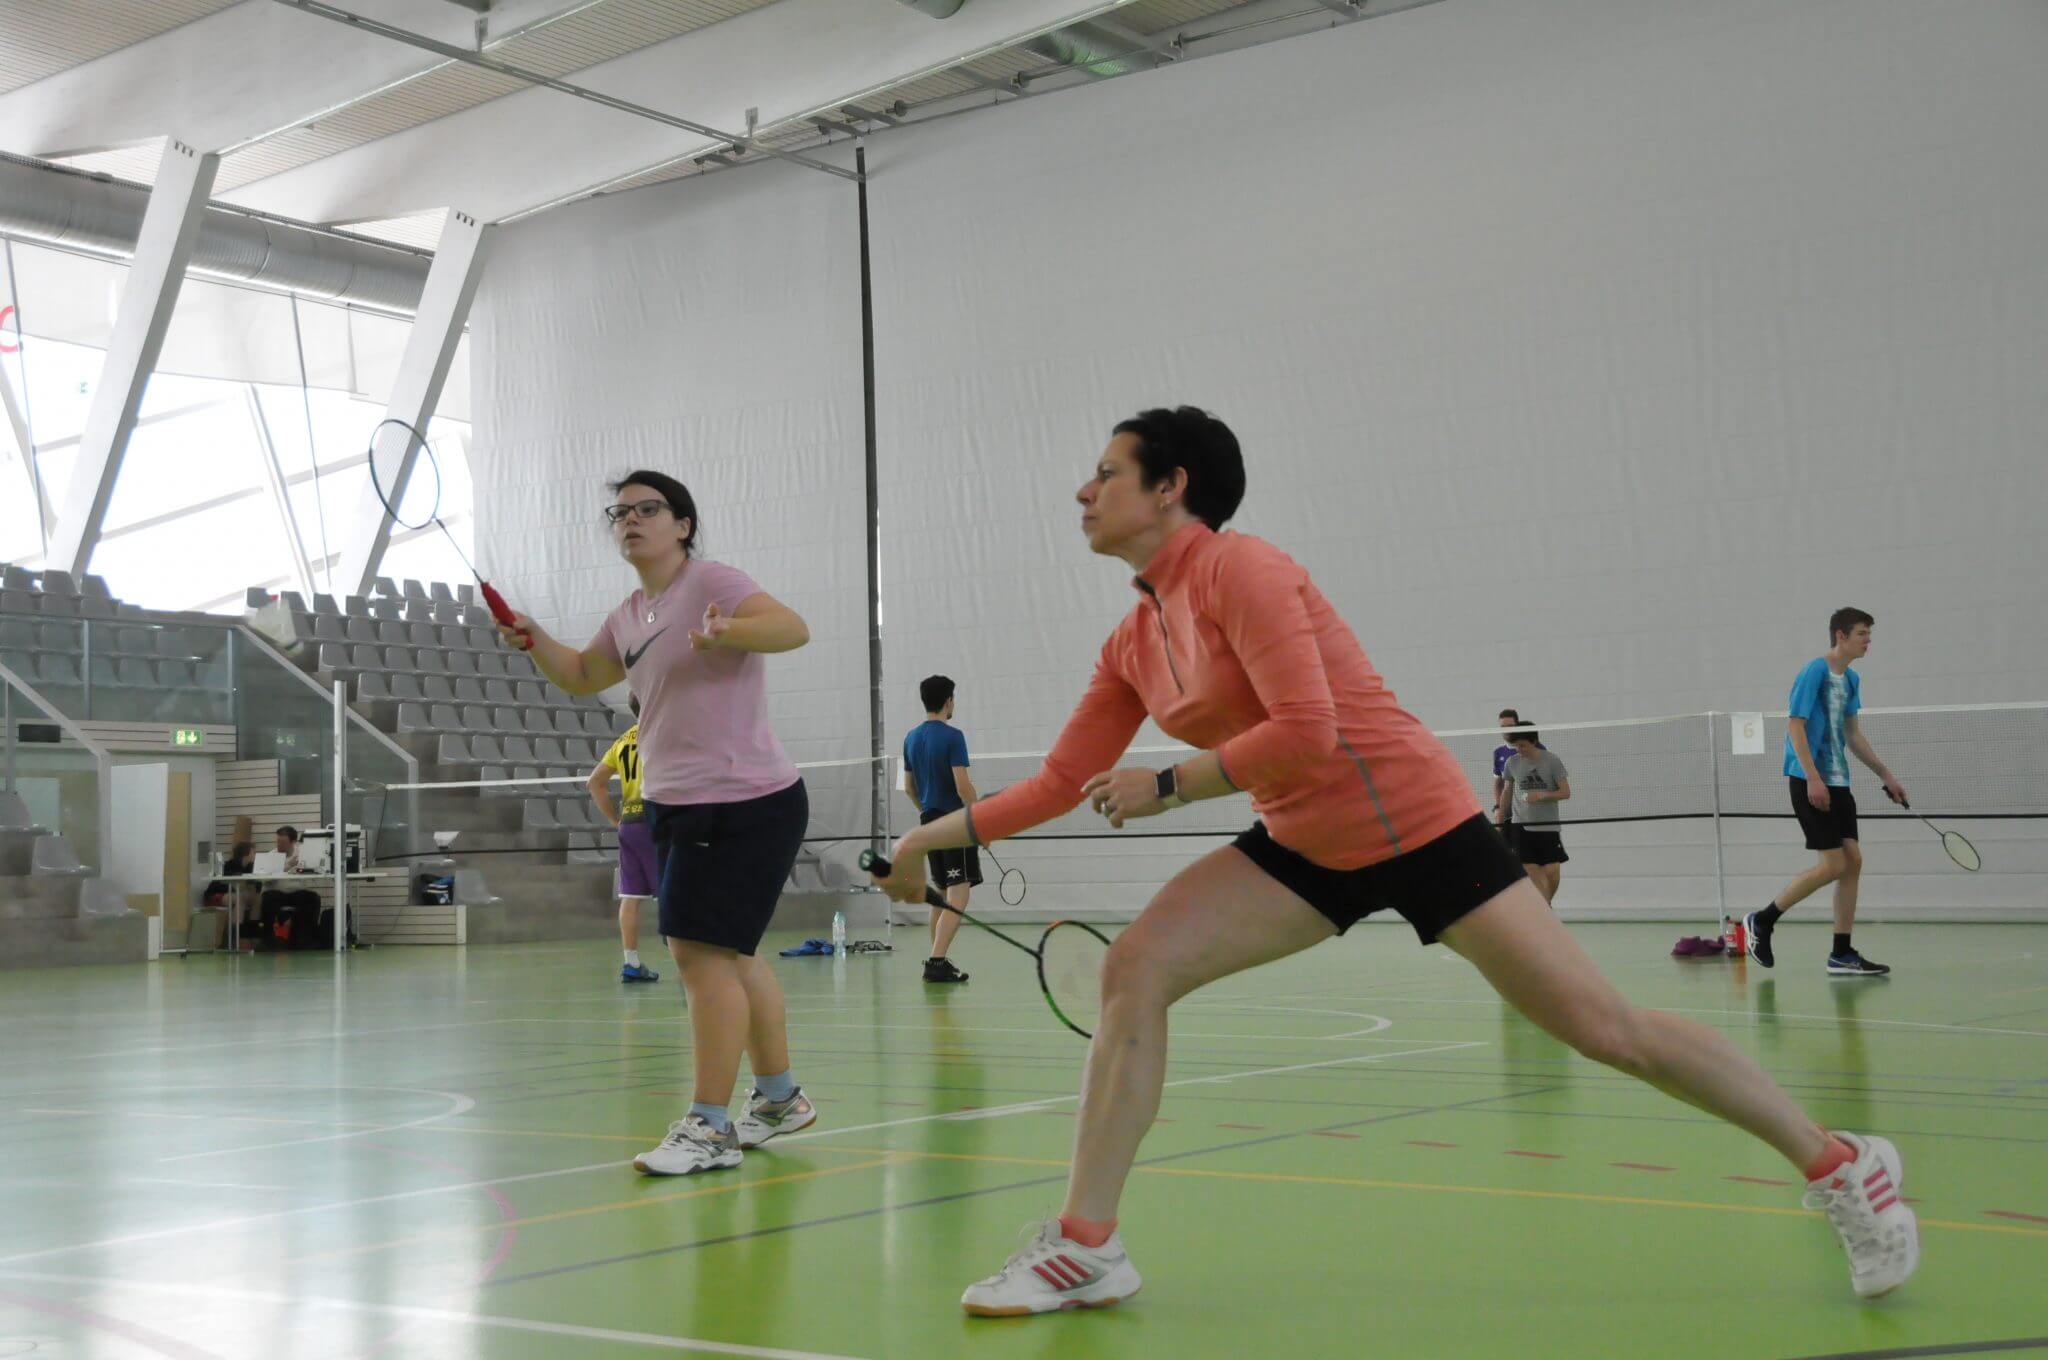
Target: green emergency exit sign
184 736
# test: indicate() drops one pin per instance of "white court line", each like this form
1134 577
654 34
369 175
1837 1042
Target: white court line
418 1314
1022 1107
1178 1035
168 1049
458 1104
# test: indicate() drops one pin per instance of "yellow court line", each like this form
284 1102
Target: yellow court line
1503 1191
641 1202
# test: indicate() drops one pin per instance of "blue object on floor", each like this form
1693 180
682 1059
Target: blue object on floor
807 949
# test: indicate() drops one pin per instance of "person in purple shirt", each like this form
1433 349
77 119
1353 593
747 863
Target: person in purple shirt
727 806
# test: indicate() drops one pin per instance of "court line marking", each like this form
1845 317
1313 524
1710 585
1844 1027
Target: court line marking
422 1314
244 1220
1836 1020
878 1157
458 1104
1502 1191
1000 1111
2022 1343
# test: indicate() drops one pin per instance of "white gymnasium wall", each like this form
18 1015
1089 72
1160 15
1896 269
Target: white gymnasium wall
710 330
1587 353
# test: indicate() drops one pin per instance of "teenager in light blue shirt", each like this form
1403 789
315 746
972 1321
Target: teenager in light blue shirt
1820 736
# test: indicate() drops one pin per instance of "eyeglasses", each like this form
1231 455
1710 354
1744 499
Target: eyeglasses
637 510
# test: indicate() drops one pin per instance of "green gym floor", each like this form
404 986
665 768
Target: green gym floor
423 1153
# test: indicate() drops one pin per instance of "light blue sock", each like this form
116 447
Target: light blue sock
714 1115
777 1087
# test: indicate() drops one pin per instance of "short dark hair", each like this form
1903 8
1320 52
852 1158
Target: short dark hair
681 503
1190 438
290 831
1844 620
1531 736
934 690
1510 713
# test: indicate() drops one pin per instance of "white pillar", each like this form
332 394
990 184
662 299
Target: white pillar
415 392
170 229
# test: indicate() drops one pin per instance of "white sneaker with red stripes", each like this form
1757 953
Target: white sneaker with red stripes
1052 1272
1877 1228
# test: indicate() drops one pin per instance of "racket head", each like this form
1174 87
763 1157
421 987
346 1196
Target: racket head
1961 851
1012 887
391 444
1070 959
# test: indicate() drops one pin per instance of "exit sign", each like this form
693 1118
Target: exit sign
184 736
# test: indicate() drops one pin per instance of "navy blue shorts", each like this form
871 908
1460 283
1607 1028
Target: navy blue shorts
723 865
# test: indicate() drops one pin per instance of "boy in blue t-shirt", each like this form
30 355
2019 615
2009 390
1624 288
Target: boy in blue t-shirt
1820 736
935 778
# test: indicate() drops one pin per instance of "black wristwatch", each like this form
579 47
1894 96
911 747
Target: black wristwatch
1168 789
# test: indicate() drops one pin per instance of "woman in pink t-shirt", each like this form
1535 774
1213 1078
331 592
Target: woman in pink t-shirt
1232 649
727 808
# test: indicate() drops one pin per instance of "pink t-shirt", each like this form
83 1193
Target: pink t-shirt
704 734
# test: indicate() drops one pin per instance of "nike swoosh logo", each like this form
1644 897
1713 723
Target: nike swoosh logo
633 654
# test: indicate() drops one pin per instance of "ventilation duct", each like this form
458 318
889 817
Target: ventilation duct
1093 50
103 218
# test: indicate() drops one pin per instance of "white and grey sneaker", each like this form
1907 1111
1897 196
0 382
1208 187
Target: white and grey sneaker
1877 1228
692 1145
1051 1273
764 1119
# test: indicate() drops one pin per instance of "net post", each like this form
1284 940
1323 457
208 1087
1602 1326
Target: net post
339 843
1720 859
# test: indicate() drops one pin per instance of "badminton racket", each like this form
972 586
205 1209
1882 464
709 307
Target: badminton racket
416 444
1069 957
1955 842
1008 881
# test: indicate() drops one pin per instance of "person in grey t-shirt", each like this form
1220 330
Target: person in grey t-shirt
1536 781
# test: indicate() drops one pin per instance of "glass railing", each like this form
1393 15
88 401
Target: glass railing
130 671
54 777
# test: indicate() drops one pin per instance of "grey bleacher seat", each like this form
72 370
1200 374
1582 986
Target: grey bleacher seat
14 813
548 750
361 630
454 749
398 659
384 585
393 634
529 692
58 583
327 628
54 668
17 578
255 597
324 604
421 635
334 657
135 673
52 857
365 658
356 606
438 590
528 772
465 592
476 616
499 692
469 690
406 687
373 689
91 607
585 749
477 718
485 747
446 718
415 718
517 747
60 637
414 590
175 642
505 718
598 724
565 722
132 642
537 816
293 601
481 639
102 672
575 813
448 613
55 606
493 777
454 639
459 663
382 608
419 611
491 664
17 602
94 587
437 689
17 633
433 661
536 722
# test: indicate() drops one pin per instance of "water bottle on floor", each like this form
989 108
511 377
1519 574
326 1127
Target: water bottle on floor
838 932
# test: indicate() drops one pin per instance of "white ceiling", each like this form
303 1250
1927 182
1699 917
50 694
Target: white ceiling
326 122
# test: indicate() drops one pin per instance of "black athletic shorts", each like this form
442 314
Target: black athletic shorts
1532 844
951 868
723 865
1432 886
1824 830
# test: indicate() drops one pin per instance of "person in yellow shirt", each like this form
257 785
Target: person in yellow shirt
639 871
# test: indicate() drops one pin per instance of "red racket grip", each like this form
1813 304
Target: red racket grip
502 612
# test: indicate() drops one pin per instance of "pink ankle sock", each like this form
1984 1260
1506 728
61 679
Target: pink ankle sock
1838 1154
1087 1233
